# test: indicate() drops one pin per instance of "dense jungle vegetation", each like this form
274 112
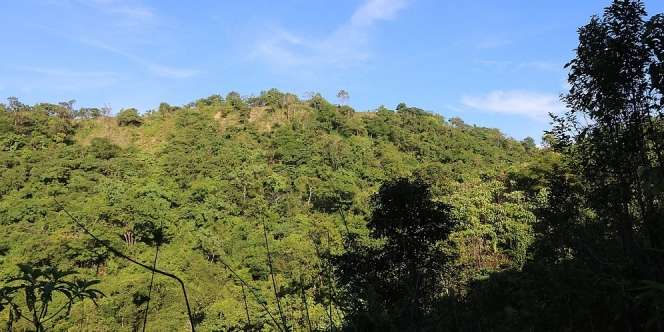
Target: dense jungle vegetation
287 214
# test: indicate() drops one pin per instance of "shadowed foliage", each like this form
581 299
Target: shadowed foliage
39 295
394 283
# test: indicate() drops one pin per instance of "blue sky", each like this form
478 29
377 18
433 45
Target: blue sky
492 63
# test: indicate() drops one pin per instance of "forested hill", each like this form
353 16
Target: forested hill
209 183
272 213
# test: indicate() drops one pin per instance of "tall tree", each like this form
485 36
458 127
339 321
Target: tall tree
394 284
613 130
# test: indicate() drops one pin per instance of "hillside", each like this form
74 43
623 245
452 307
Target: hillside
201 181
280 213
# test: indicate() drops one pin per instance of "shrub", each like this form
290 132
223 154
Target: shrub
129 117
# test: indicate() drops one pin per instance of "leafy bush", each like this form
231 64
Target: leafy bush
129 117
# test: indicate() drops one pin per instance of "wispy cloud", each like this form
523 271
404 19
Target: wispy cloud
374 10
125 12
518 102
64 79
539 65
170 72
152 67
130 22
344 46
492 42
63 72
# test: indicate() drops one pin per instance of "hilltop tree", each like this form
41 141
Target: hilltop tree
14 105
129 117
343 96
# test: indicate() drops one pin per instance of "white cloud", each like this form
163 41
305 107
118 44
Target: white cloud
374 10
526 103
281 48
344 46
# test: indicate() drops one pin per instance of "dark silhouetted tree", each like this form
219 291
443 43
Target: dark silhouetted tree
598 258
35 289
612 133
393 283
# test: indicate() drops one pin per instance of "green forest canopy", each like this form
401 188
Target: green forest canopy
211 172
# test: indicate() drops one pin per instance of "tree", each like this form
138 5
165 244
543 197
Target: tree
104 149
165 108
394 285
612 132
597 259
88 113
39 288
66 109
14 105
529 144
129 117
343 96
